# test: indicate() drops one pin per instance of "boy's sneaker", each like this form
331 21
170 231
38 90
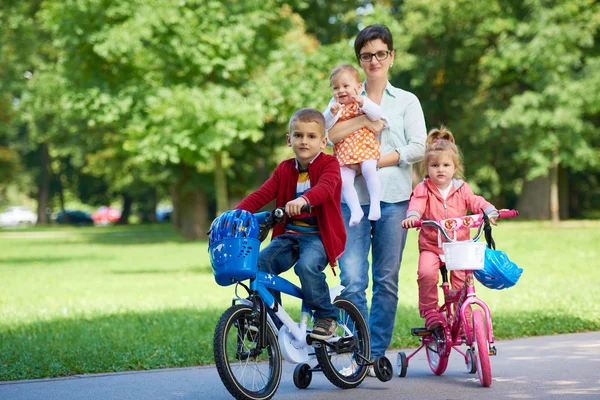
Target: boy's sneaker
432 320
324 328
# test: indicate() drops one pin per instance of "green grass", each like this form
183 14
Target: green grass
114 299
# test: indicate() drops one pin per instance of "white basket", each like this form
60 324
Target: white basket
464 255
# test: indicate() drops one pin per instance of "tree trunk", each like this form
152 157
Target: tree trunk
534 202
194 216
126 212
176 219
220 185
554 206
564 194
146 205
191 204
44 184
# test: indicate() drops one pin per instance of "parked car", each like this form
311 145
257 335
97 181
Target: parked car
163 214
17 215
74 217
106 215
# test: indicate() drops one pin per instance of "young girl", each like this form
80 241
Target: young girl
360 147
440 196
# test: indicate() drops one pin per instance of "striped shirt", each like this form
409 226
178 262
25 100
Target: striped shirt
305 222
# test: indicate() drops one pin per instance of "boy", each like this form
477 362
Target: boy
308 240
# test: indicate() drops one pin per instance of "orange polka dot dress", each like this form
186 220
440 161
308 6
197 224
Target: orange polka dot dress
360 145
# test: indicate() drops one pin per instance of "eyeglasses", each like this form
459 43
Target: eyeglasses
380 55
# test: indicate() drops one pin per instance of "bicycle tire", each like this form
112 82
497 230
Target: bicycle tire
484 367
437 351
347 370
248 373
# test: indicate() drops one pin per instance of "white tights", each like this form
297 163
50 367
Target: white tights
369 171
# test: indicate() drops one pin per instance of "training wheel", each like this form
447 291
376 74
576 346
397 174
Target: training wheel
302 376
402 363
383 369
470 360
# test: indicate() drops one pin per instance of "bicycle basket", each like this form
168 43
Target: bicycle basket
233 247
499 272
234 259
464 255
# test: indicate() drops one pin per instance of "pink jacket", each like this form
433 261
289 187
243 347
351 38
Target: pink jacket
426 203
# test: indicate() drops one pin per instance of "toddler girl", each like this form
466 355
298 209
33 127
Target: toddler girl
361 147
441 195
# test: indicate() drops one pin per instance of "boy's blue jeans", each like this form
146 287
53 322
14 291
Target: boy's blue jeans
306 251
385 238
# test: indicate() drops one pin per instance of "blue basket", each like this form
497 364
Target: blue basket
234 259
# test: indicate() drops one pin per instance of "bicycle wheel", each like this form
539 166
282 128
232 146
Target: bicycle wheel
347 369
437 351
247 371
484 368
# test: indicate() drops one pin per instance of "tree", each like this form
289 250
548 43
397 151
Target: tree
516 81
542 79
183 77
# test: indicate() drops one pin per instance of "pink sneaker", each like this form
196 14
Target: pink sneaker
432 320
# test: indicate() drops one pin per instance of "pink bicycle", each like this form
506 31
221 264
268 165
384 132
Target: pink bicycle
461 324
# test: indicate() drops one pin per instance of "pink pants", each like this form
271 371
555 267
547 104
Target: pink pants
428 276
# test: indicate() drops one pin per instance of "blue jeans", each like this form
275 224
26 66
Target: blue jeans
306 251
387 239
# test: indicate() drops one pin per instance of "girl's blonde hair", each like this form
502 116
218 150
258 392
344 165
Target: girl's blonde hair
345 68
440 141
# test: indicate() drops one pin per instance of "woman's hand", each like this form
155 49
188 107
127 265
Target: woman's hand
409 222
342 129
375 126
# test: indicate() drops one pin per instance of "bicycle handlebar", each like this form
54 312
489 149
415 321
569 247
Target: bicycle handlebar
268 219
467 222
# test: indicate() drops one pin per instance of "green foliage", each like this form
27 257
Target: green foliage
134 92
518 79
543 74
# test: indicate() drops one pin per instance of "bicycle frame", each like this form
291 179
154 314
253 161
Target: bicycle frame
468 297
259 285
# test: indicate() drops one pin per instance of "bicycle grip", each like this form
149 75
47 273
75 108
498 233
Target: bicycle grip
280 211
507 213
417 224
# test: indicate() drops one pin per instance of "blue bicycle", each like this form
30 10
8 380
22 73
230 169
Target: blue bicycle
248 345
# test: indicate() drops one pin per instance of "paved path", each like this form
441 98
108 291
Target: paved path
549 367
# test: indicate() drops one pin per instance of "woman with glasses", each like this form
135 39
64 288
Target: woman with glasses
402 145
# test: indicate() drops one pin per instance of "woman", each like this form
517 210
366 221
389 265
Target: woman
402 144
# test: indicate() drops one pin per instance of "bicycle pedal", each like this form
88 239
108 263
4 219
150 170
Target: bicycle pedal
492 351
420 332
345 344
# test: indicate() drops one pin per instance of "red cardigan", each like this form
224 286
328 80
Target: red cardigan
324 196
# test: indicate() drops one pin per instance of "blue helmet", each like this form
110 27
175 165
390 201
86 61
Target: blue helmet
233 224
498 271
